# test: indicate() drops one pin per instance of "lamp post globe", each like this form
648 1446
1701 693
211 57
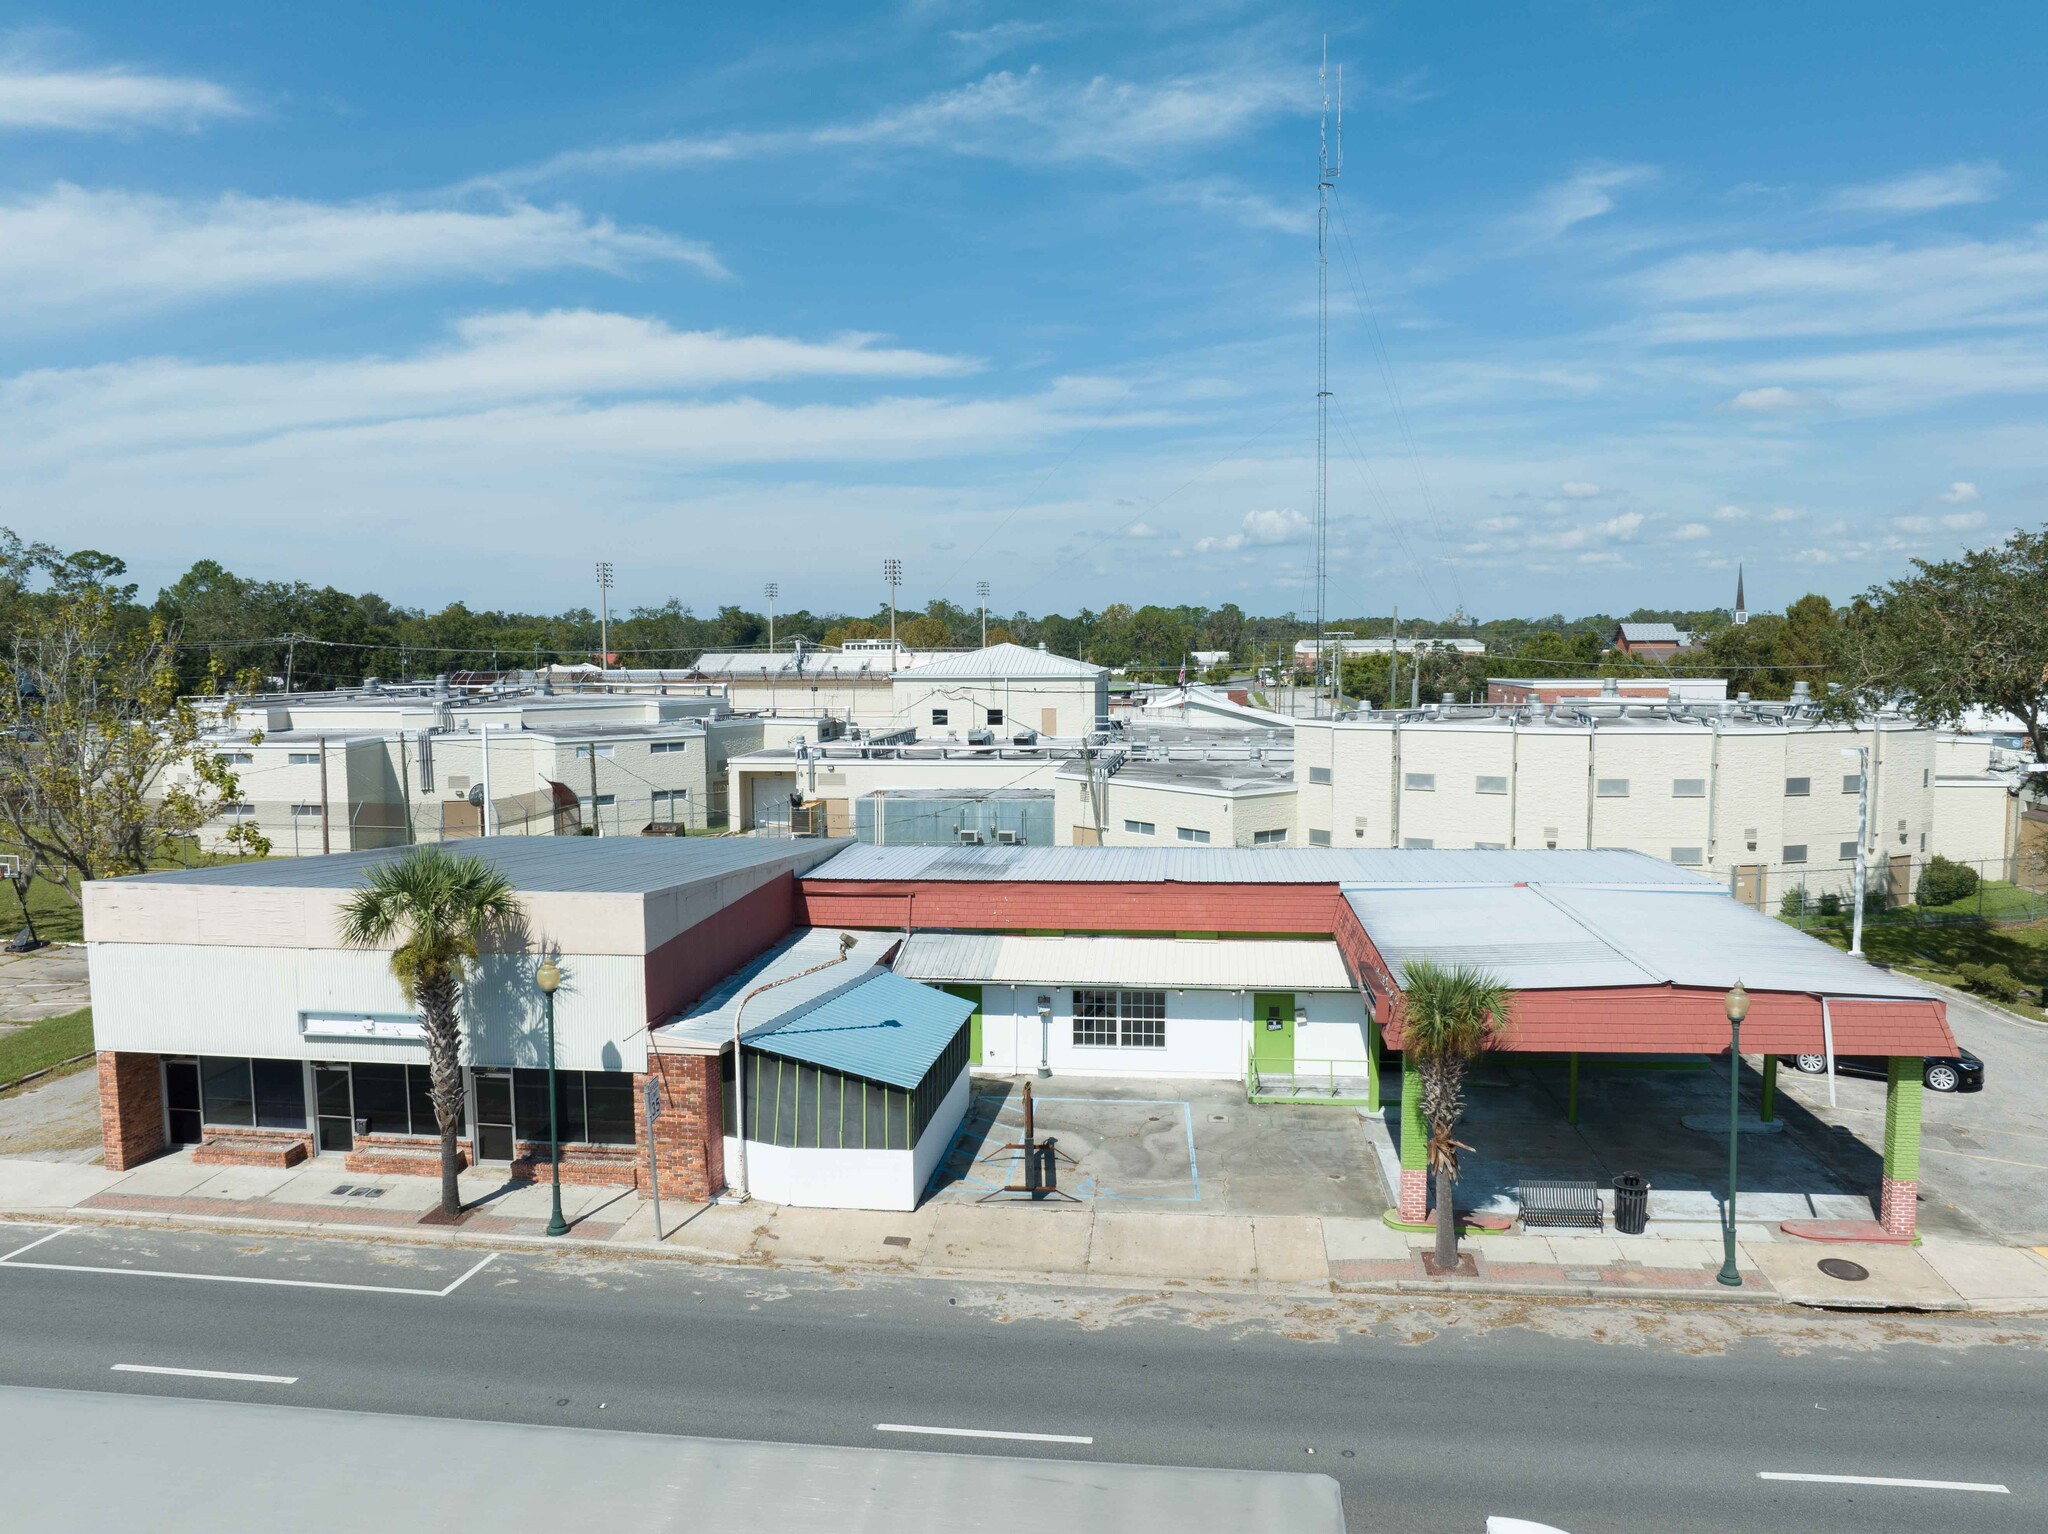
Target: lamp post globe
1736 1005
548 976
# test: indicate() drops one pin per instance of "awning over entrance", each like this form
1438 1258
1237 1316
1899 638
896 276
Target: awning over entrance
1671 1020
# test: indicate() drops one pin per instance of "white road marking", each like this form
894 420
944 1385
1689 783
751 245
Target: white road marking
1885 1480
207 1374
981 1432
52 1236
239 1278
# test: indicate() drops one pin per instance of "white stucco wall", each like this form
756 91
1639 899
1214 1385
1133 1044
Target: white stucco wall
1208 1034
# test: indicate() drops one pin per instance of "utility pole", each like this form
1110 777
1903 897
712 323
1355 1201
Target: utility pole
325 843
981 594
892 572
771 591
1326 177
596 824
1394 663
604 615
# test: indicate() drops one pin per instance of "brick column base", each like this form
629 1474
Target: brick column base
1896 1206
1414 1199
131 1109
689 1136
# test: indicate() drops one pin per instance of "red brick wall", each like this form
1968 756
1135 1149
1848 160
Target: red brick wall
1146 907
689 1137
131 1109
690 963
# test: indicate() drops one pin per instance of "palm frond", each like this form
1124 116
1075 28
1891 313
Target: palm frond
1451 1012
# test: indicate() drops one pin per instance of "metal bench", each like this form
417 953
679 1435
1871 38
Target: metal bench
1561 1201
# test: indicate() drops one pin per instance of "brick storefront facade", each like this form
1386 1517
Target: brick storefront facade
689 1137
131 1109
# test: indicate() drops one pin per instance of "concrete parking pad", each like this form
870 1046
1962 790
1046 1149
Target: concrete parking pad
1289 1250
1010 1238
1193 1246
46 983
1900 1278
1988 1274
53 1185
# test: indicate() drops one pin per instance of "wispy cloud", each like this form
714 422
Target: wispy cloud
1239 204
1027 116
1924 191
74 254
1588 193
37 93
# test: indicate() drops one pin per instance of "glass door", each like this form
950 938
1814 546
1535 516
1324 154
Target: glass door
493 1115
337 1115
181 1101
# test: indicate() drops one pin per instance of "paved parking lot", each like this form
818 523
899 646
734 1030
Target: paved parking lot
1983 1155
1163 1144
46 983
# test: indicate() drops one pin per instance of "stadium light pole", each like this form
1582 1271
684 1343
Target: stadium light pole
892 572
771 591
604 615
981 593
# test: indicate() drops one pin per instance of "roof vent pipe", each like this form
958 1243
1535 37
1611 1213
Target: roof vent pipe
1610 687
1742 697
1802 692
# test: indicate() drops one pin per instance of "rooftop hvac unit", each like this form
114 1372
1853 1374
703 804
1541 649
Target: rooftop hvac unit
980 737
1009 838
968 837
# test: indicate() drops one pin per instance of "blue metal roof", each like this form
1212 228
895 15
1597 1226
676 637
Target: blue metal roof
887 1029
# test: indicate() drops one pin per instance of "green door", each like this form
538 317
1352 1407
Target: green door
1273 1031
970 993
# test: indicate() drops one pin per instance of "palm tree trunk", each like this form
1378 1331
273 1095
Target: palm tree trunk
1446 1222
444 1066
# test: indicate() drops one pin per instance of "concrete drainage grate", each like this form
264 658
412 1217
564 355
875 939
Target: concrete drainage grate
895 1240
1841 1267
350 1190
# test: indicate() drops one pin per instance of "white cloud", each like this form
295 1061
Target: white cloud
1963 521
1578 490
1252 209
1026 116
1616 529
1730 514
36 94
1924 191
1261 529
1606 557
1587 194
71 252
1959 492
1691 532
1783 514
1143 530
1773 400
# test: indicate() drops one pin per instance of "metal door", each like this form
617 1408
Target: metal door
1273 1032
1749 884
1899 886
970 993
493 1115
335 1108
182 1118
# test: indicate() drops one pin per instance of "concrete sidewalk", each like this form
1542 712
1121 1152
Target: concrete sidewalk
1089 1243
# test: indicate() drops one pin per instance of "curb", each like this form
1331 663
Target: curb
1979 1001
455 1237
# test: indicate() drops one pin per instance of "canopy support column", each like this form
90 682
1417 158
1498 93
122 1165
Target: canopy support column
1901 1193
1413 1199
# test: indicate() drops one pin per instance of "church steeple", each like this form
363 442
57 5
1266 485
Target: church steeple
1741 612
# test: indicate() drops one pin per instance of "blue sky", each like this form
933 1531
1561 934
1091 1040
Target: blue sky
450 300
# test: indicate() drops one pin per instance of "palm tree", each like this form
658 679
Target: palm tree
1449 1017
438 907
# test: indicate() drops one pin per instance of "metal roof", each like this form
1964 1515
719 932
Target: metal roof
1227 965
885 1028
1247 865
612 865
708 1024
831 664
1563 937
1003 662
1651 633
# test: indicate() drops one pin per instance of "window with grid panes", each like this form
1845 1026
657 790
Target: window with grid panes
1095 1019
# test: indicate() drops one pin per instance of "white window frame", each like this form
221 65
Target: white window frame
668 747
301 811
1610 788
1192 834
941 716
1318 838
603 752
1419 782
1140 828
1319 774
1486 783
1803 791
1115 1019
1688 788
1273 838
302 758
1791 847
1688 857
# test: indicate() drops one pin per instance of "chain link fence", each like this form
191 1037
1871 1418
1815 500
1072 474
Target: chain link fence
1900 891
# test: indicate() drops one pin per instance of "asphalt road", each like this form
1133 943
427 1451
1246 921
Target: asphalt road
1425 1424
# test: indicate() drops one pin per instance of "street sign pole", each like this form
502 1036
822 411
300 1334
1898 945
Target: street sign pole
653 1168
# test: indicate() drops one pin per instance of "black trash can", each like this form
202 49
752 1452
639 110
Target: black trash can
1631 1203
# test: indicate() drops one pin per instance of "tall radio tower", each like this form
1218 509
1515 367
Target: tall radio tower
1327 172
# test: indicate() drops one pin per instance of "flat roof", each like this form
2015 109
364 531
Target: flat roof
622 865
708 1024
1243 776
1396 866
1564 937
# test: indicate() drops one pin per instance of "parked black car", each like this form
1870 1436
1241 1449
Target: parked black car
1959 1072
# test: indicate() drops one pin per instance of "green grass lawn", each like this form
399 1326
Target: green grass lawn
58 918
41 1045
1937 952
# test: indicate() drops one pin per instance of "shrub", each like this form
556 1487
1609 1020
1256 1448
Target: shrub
1794 903
1993 980
1827 903
1943 882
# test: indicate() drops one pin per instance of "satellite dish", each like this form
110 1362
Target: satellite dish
476 795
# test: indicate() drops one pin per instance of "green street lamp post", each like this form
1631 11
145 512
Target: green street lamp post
547 977
1736 1004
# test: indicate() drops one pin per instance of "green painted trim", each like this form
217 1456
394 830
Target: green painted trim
1769 1112
1902 1094
1372 1065
1197 937
1571 1102
1414 1134
1288 1099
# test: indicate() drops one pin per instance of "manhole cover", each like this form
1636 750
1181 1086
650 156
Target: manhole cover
1218 1118
1841 1267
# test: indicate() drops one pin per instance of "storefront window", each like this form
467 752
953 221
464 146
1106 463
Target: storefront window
224 1085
